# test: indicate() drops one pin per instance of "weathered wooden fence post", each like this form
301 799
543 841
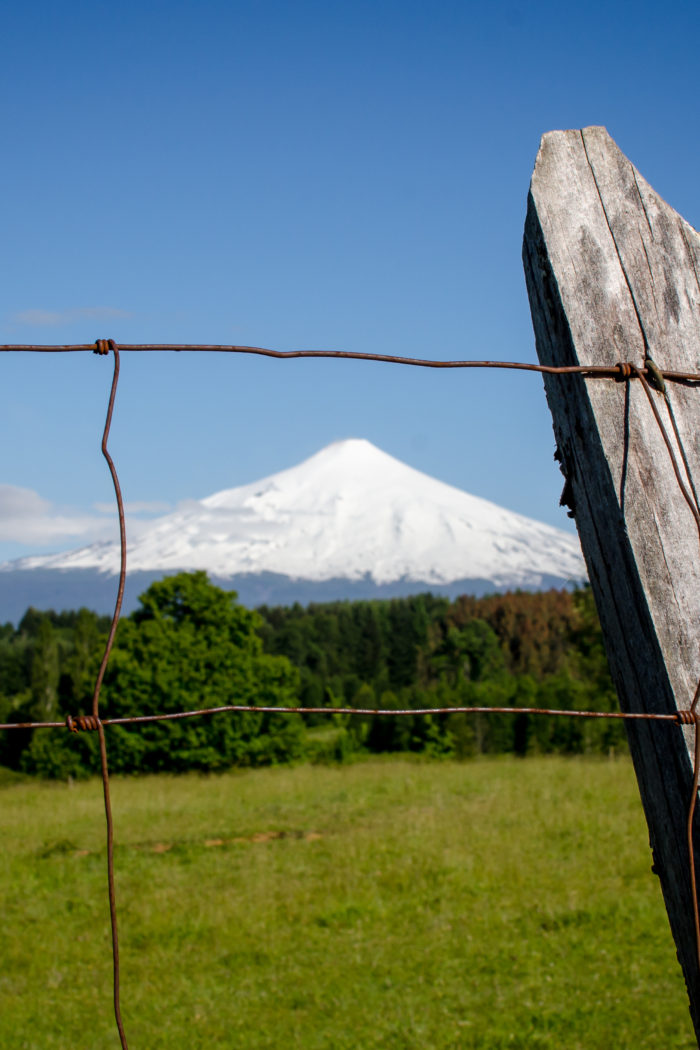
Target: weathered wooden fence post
613 275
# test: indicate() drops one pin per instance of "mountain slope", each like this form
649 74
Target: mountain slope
351 512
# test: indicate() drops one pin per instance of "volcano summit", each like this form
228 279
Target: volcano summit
349 522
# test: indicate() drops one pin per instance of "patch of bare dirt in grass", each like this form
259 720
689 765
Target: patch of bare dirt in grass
255 838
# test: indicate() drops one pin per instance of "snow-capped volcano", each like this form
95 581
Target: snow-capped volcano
350 512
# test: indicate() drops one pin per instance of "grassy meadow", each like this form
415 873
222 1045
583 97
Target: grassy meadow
395 904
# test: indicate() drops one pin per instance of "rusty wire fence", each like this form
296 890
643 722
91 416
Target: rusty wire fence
654 383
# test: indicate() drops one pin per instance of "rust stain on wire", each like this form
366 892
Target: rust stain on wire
689 833
689 499
692 716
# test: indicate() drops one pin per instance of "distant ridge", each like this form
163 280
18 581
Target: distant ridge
349 521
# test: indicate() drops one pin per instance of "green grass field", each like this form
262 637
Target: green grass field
387 904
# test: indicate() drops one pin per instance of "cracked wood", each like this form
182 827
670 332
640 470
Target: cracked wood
612 273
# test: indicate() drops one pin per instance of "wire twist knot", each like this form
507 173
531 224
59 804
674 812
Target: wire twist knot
624 370
103 346
84 722
688 718
654 374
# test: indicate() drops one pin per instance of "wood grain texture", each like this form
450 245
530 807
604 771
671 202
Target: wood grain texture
612 274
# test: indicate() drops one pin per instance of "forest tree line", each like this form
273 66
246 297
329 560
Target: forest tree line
190 645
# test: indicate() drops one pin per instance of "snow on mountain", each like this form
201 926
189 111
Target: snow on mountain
351 511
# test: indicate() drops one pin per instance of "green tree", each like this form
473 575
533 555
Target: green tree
190 646
45 671
85 652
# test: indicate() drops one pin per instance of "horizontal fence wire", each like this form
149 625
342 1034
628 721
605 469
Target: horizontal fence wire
86 722
618 371
648 374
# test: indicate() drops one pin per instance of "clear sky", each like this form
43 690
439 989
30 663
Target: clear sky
296 175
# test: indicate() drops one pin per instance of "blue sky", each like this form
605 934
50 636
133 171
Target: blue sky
308 175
